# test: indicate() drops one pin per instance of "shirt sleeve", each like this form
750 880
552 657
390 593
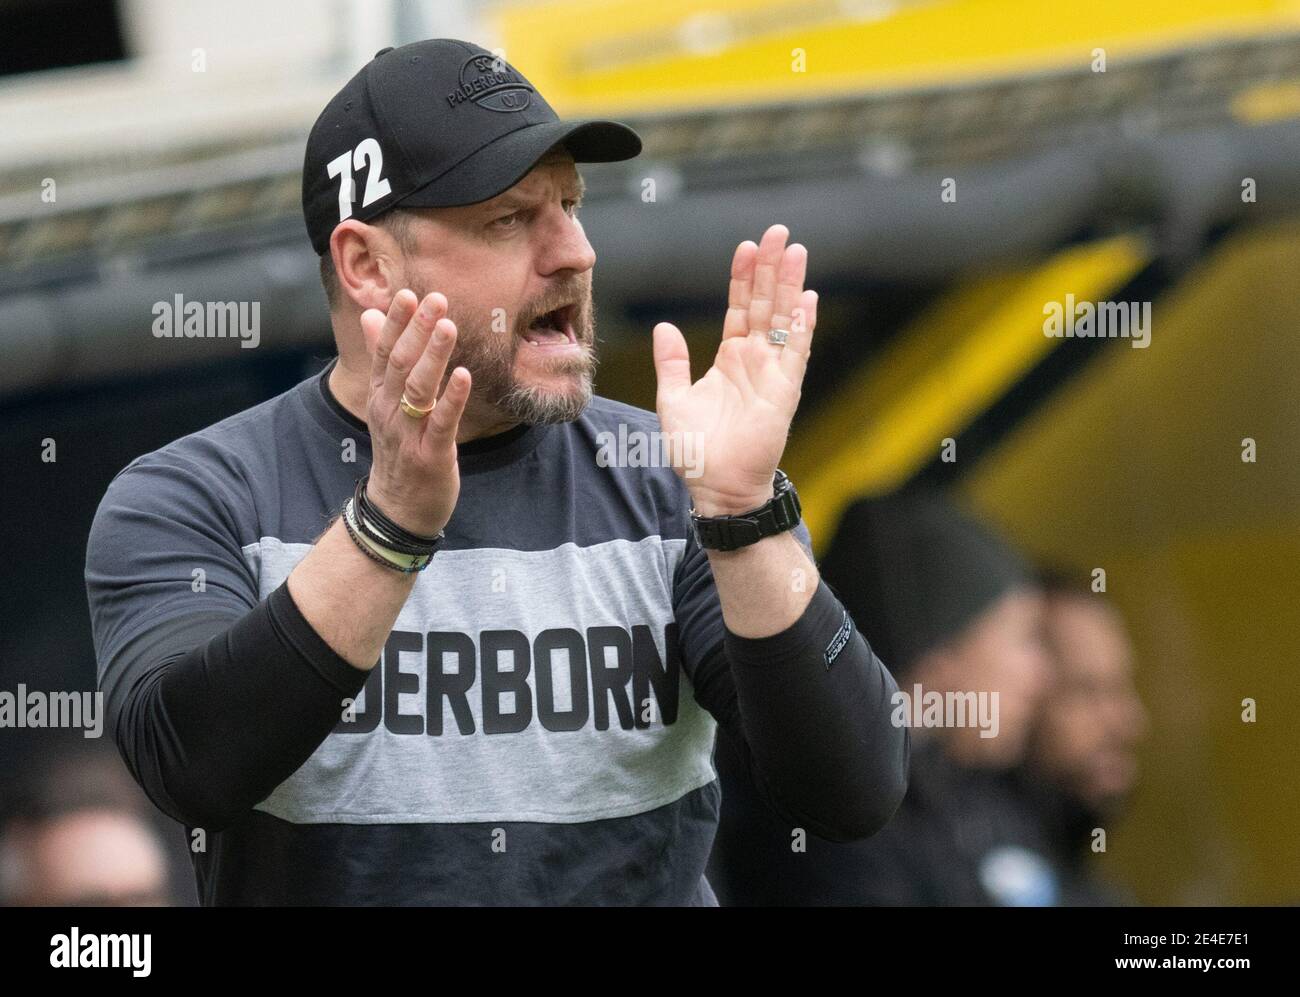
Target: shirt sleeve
807 710
696 606
214 697
164 544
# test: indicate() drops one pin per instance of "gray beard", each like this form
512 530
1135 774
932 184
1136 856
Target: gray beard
530 404
490 359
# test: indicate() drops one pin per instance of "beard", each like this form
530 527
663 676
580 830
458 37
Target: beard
490 354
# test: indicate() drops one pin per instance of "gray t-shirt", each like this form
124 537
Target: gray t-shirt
531 733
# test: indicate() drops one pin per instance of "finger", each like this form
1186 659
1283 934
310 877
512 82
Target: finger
410 344
736 322
672 362
768 262
794 358
422 385
381 342
444 421
789 286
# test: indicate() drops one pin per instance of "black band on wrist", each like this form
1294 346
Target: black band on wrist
383 531
365 549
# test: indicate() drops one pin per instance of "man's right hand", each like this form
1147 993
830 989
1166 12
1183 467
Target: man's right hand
414 478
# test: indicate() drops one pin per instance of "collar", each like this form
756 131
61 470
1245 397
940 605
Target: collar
480 454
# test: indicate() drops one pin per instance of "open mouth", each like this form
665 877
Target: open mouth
555 328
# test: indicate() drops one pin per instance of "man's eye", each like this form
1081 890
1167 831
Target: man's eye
506 221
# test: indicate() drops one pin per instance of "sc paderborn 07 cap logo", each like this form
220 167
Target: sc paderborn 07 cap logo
492 83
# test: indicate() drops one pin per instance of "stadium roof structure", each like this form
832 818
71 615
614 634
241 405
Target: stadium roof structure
195 188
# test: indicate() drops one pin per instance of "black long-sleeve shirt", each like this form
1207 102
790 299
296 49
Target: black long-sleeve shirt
540 725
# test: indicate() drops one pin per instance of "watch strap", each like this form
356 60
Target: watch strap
779 514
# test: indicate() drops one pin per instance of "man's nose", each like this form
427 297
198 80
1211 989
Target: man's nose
565 246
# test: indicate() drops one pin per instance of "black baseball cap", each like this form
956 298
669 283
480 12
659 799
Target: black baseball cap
435 124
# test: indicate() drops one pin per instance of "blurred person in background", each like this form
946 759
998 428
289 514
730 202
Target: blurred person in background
1082 763
75 833
948 607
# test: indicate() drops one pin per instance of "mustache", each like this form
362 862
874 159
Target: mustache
575 294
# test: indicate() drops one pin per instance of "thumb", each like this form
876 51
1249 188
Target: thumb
672 361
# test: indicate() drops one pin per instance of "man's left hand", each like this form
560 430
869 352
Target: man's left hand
738 414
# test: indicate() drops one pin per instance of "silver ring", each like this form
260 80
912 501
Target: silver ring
777 337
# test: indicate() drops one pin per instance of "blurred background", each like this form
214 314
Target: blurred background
952 165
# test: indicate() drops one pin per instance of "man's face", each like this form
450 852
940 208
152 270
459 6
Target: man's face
1092 718
516 271
1001 651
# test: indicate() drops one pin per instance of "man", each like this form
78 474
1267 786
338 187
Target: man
469 688
958 616
1082 764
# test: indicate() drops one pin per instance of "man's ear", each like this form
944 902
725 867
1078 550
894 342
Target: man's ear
367 262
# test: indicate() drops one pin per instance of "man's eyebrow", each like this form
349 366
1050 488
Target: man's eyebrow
514 199
510 199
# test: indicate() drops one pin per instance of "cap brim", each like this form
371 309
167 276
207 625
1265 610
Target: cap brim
500 165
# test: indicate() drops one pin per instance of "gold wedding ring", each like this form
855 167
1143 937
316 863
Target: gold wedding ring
412 411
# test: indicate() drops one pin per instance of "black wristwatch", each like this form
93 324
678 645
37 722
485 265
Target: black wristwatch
780 514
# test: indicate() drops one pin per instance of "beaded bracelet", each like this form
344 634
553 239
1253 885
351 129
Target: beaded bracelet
378 527
399 561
